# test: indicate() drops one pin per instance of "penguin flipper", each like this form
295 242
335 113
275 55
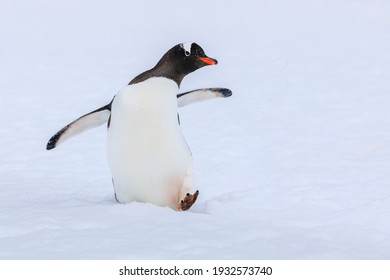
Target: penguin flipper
198 95
86 122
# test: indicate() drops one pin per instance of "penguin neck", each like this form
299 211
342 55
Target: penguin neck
162 69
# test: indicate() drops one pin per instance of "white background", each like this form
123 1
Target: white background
295 165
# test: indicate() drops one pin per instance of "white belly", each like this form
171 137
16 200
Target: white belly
147 153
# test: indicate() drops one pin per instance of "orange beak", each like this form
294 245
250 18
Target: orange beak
208 60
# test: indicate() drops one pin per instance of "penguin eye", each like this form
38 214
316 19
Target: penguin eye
187 53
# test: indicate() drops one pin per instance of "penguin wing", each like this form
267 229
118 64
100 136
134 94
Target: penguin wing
102 115
198 95
86 122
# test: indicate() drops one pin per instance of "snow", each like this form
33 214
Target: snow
295 165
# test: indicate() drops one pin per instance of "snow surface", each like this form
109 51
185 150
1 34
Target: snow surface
295 165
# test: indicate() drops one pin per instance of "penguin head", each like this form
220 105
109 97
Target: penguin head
178 62
184 59
192 57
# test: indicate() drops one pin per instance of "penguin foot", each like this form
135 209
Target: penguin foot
188 201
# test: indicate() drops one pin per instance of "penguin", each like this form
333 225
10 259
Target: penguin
148 156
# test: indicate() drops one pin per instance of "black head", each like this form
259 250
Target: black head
178 62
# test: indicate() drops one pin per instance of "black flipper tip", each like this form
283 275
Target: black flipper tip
223 92
51 144
53 140
226 92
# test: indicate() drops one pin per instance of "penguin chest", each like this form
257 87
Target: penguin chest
147 153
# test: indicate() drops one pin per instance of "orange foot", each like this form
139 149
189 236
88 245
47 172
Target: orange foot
188 201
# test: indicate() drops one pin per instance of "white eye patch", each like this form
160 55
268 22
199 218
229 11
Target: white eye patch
187 48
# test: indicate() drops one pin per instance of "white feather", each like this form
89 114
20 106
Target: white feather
147 153
187 46
198 96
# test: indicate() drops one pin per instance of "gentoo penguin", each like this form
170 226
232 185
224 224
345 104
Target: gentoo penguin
147 154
